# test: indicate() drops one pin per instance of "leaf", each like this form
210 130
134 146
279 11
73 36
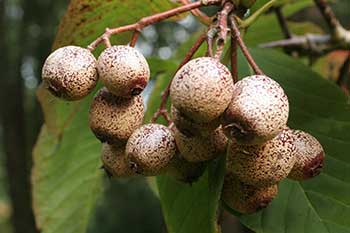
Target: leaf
65 176
317 106
192 208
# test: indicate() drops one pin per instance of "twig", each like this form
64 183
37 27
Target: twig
151 20
251 19
134 38
162 107
196 12
222 28
339 33
243 47
234 68
283 23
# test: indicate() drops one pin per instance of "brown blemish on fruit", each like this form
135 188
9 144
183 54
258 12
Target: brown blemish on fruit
314 167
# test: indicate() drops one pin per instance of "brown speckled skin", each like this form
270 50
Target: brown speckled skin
266 164
201 148
258 111
123 70
185 171
310 157
191 128
70 73
202 89
113 119
114 161
245 198
150 149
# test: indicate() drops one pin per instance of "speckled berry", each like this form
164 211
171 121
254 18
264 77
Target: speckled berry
185 171
70 73
202 89
191 128
113 119
310 157
123 70
258 111
150 149
265 164
114 161
201 148
244 198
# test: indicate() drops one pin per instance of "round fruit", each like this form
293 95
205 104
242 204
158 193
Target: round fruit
202 89
114 161
150 149
189 127
266 164
113 119
201 148
310 157
245 198
70 73
123 70
185 171
258 111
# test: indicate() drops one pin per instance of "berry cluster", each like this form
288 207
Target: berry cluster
210 116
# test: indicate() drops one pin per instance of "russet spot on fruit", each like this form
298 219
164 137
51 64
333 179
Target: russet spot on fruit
244 198
70 73
258 111
265 164
150 149
123 70
310 156
202 89
113 119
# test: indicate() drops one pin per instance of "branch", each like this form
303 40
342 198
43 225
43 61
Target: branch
246 53
196 12
316 44
162 108
138 26
343 80
339 33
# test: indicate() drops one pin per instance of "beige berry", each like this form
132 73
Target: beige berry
113 119
150 149
114 161
70 73
191 128
265 164
310 157
202 89
244 198
201 148
258 111
123 70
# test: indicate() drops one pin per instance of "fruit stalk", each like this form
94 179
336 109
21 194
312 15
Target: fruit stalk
196 12
149 20
162 108
233 51
246 53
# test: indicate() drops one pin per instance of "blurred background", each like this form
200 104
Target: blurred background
27 30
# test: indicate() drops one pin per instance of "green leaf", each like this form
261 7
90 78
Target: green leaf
192 208
317 106
65 177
